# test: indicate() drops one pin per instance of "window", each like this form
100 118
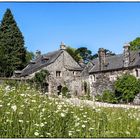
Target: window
58 73
92 78
137 73
112 77
74 72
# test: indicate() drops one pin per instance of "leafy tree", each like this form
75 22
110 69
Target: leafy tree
13 52
108 52
85 54
126 87
72 52
135 44
29 56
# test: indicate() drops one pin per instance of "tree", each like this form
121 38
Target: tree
72 51
13 52
85 54
126 87
29 56
135 44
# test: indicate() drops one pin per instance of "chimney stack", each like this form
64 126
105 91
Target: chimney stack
126 55
37 53
62 46
102 55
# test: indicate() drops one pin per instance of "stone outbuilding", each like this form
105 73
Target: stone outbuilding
63 71
104 70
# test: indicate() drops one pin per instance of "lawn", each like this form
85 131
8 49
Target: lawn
27 113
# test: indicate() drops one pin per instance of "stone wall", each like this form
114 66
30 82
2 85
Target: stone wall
105 81
68 78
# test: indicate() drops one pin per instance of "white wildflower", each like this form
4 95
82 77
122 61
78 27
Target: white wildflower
62 115
91 128
42 124
20 113
36 124
7 88
33 101
14 107
70 133
43 109
22 95
8 104
7 112
21 121
127 132
85 121
1 105
83 126
36 134
49 134
84 116
77 124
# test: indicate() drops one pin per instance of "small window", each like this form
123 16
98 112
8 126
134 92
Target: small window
58 73
74 72
137 73
92 78
112 77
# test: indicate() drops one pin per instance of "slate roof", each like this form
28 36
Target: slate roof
43 61
116 62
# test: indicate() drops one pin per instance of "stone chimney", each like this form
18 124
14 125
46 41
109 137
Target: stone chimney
126 55
102 55
37 53
62 46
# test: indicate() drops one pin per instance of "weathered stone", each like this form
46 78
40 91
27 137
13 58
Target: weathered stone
136 100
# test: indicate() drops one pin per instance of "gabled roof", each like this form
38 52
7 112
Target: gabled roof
40 62
45 60
116 62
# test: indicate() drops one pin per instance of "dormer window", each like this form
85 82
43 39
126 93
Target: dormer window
58 74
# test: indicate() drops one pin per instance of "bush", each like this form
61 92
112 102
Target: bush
65 92
107 96
126 87
40 80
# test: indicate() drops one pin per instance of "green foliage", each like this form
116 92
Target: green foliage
85 54
65 92
107 96
12 50
126 87
135 44
29 56
40 80
73 53
40 76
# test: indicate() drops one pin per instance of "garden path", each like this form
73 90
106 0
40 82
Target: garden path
78 102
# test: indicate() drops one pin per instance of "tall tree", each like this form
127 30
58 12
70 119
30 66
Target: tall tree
85 54
72 52
13 52
135 44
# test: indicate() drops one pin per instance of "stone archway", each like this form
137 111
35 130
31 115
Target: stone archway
59 88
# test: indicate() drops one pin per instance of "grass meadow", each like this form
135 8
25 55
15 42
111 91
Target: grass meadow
27 113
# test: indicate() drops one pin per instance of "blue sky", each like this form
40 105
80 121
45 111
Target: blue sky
93 25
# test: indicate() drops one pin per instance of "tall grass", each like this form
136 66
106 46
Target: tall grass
27 113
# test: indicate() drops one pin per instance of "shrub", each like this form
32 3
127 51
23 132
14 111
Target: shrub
40 80
126 87
107 96
65 92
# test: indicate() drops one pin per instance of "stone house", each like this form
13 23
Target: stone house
63 71
104 70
